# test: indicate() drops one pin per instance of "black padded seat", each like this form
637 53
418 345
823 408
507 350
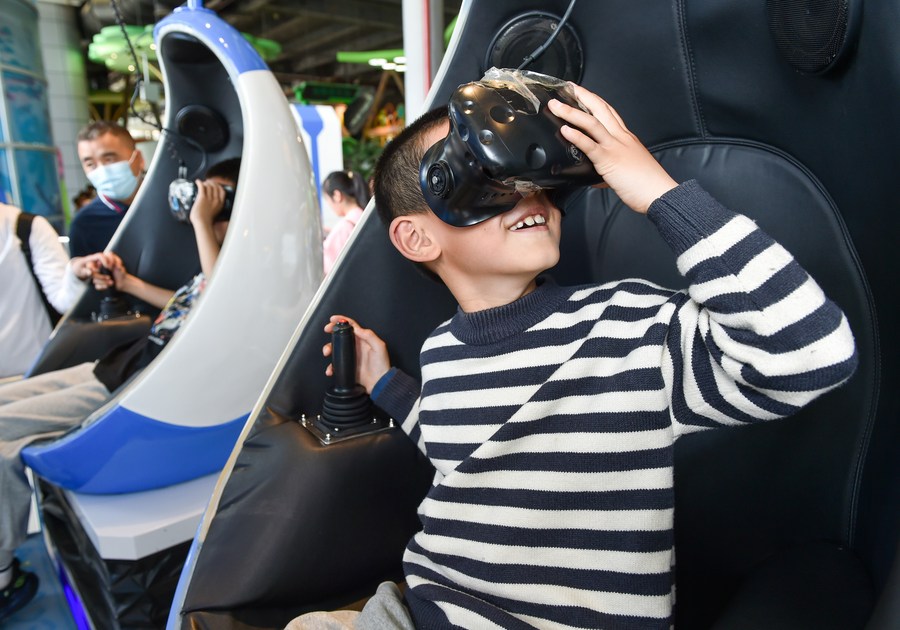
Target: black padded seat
817 585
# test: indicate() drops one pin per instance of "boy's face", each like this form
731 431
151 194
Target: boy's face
514 246
522 242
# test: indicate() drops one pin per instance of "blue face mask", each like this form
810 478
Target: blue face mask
116 180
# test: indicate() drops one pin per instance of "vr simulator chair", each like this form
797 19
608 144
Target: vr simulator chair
122 494
784 111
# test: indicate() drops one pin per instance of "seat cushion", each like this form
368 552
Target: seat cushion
816 586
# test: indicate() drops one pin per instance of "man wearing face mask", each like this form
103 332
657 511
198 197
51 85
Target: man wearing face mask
115 167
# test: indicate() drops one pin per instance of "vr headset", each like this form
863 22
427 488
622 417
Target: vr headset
183 194
503 144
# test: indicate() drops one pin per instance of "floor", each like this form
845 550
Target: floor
49 609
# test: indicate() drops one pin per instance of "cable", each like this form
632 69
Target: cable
139 79
537 52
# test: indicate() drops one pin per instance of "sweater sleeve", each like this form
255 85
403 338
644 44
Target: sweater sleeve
754 338
397 393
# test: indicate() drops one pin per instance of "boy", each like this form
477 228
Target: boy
550 413
46 406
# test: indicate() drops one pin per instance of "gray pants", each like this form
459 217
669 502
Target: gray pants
384 611
38 408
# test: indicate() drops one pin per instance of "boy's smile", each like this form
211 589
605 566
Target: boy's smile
496 261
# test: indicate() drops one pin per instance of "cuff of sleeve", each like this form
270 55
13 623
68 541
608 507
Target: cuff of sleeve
687 214
395 392
382 383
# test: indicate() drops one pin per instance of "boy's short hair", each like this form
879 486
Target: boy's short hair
397 191
226 169
94 130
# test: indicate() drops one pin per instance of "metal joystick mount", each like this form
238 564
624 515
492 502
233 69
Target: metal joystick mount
347 410
111 305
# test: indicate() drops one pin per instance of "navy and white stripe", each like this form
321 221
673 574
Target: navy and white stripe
551 423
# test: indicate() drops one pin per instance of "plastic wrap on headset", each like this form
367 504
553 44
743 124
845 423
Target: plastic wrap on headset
520 82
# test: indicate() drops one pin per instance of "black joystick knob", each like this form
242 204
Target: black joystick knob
111 305
346 403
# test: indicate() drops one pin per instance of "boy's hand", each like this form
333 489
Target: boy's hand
619 157
209 202
372 360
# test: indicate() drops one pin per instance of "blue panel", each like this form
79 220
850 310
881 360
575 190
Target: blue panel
125 451
313 125
39 183
5 184
222 38
29 113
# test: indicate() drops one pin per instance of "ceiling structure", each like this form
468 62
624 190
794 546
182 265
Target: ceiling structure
311 32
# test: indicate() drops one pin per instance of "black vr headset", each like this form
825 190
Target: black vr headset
503 143
183 194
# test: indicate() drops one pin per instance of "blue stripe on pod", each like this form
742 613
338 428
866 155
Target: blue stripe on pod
220 36
125 451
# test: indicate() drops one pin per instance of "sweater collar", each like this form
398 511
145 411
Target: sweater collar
495 324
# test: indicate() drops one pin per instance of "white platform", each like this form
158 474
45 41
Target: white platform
133 526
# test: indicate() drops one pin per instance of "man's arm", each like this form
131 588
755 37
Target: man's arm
51 266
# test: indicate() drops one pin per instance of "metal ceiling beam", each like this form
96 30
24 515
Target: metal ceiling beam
331 37
373 41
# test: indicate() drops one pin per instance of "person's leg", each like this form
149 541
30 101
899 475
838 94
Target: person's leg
59 402
44 383
335 620
385 610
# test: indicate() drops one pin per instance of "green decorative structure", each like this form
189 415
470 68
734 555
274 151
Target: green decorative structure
110 48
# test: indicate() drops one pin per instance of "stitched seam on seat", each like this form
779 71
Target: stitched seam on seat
691 77
865 436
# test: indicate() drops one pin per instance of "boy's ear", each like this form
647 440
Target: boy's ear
412 238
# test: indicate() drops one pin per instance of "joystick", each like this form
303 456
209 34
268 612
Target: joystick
347 405
347 411
111 305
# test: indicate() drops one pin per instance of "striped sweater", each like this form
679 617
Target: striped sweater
551 423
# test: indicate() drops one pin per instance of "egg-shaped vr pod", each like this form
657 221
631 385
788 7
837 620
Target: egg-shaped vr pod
179 418
792 523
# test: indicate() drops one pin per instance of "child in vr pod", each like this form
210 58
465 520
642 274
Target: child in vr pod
550 412
47 405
